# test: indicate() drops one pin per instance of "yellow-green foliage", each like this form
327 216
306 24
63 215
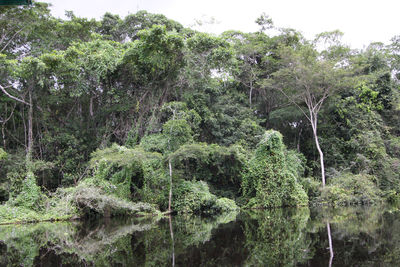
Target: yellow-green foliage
3 154
31 196
13 214
392 197
154 143
268 182
132 174
90 197
4 192
350 189
32 206
195 197
225 204
178 110
93 199
177 132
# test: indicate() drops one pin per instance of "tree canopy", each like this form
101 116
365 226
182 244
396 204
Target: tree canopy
209 107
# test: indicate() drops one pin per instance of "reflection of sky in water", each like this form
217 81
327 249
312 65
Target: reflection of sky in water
293 237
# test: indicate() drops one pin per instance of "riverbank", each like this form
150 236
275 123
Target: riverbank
71 203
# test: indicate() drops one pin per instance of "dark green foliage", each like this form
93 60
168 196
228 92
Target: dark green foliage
12 174
155 56
154 143
229 121
349 189
220 166
363 141
296 163
141 20
179 110
68 155
267 181
3 190
392 197
226 119
312 187
198 101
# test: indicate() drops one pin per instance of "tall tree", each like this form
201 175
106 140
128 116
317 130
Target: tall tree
22 28
149 70
307 79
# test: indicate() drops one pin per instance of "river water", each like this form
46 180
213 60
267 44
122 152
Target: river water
360 236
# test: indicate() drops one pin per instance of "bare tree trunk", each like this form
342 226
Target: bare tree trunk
25 131
170 186
91 107
251 92
3 134
321 157
298 141
314 123
30 129
11 115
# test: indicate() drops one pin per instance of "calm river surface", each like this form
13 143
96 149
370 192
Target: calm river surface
360 236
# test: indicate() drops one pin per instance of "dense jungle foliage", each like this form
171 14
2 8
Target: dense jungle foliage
140 114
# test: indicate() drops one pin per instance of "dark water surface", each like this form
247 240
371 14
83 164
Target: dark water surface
361 236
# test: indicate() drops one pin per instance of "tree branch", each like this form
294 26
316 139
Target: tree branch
9 41
13 97
12 112
294 102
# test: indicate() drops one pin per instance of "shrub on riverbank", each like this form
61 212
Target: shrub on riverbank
221 167
86 199
31 196
195 198
268 182
131 174
349 189
92 200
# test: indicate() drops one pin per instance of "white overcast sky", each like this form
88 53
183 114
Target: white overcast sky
362 21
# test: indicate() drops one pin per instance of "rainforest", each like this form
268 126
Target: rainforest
141 117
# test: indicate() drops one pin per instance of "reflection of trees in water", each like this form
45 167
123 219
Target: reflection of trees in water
221 246
171 230
110 243
331 254
36 243
361 236
20 243
280 237
277 237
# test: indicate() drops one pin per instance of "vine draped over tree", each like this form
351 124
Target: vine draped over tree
115 112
